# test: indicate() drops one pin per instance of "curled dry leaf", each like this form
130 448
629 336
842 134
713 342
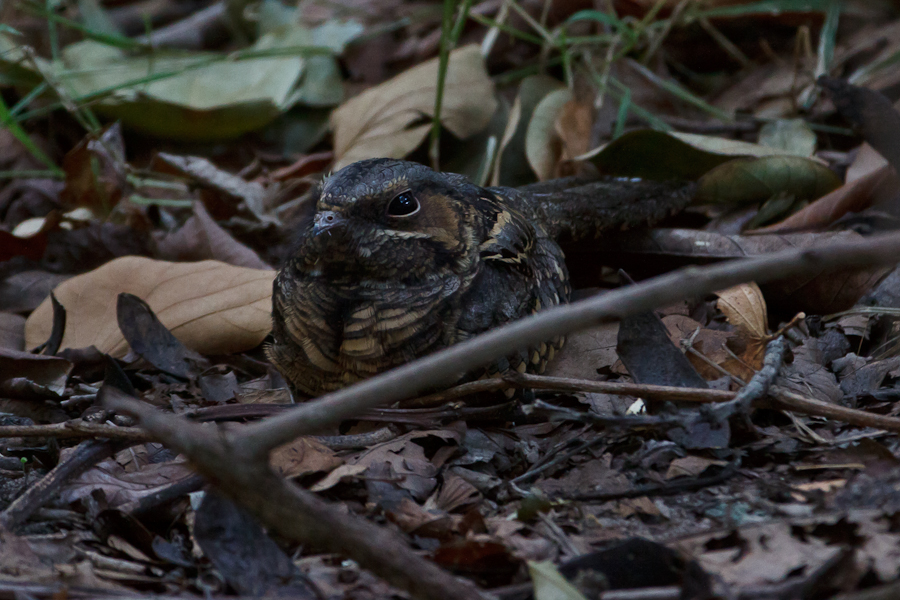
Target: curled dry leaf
512 167
211 307
386 120
32 375
302 456
207 174
201 238
543 146
710 343
745 308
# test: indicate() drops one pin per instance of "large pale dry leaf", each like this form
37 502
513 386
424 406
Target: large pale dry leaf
211 307
384 120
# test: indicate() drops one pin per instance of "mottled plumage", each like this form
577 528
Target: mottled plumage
399 261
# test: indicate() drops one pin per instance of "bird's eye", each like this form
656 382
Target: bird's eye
403 205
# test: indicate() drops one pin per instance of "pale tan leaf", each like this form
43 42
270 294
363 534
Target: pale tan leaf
385 120
211 307
745 308
549 584
543 147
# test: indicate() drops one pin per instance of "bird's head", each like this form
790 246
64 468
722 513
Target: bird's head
389 219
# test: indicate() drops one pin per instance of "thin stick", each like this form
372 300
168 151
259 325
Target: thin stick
787 400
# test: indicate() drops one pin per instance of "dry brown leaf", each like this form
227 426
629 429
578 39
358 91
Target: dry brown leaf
708 342
867 161
380 121
745 308
211 307
209 175
201 238
302 456
691 466
25 373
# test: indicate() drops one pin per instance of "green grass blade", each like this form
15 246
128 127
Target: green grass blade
765 7
7 120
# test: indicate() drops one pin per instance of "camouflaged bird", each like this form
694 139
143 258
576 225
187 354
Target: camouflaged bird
398 261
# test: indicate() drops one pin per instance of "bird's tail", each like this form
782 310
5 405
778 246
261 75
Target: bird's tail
577 208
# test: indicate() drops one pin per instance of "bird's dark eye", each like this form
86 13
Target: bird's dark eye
403 205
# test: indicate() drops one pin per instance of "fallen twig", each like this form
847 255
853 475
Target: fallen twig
787 400
76 428
759 385
86 455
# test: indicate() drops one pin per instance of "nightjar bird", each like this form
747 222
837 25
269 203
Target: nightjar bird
396 261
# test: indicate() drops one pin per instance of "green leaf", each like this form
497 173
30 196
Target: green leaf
749 180
662 156
96 19
204 96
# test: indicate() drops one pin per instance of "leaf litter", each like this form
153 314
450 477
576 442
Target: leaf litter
574 499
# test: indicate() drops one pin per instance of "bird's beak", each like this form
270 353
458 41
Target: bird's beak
325 220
